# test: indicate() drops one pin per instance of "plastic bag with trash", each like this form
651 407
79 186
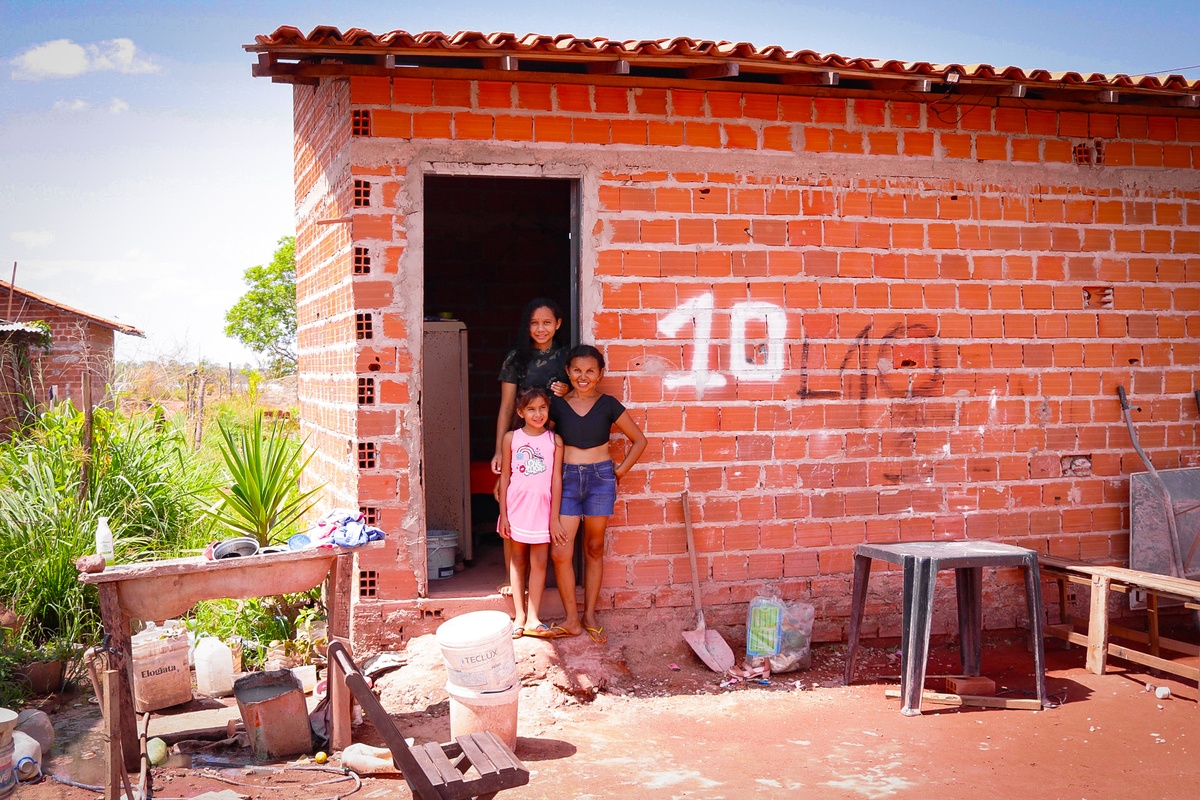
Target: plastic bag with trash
778 634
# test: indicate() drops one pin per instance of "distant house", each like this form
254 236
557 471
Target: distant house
46 350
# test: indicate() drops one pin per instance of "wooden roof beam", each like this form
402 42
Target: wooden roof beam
713 71
618 67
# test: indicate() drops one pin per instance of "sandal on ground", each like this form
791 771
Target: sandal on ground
747 671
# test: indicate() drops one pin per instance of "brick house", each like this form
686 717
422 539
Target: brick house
848 300
81 344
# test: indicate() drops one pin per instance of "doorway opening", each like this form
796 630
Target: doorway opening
491 244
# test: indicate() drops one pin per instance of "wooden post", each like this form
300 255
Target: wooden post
116 625
339 701
1097 648
1152 621
86 467
199 415
112 734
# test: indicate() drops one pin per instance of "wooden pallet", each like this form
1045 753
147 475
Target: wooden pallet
1100 630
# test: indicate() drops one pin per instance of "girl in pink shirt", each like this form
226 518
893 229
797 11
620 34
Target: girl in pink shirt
530 495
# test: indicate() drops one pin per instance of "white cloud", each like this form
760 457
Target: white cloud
70 105
117 106
33 239
63 58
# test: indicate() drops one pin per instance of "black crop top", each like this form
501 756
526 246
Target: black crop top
590 430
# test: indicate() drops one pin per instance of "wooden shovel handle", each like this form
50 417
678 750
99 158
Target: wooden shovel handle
691 547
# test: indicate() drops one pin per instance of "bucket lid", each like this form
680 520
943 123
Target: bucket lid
441 535
469 630
475 697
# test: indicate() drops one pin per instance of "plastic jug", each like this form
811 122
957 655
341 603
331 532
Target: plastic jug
27 757
214 667
367 760
104 541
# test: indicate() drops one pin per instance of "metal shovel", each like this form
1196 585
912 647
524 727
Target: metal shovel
712 649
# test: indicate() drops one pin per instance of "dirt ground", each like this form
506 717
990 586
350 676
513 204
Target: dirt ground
642 717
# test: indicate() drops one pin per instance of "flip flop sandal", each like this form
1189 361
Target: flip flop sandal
542 631
597 634
519 632
559 632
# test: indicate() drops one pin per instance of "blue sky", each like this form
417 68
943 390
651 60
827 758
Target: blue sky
142 169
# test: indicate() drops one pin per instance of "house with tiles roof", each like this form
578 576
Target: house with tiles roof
848 300
48 350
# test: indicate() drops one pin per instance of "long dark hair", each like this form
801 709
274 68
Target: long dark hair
522 348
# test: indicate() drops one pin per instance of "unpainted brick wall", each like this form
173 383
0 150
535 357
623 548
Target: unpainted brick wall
839 320
78 346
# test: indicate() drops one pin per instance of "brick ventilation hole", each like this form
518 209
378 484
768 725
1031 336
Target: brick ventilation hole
360 122
1097 296
362 261
362 194
366 455
1098 152
1083 154
370 514
366 391
363 327
368 583
1077 466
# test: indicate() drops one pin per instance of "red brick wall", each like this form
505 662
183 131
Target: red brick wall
78 346
839 320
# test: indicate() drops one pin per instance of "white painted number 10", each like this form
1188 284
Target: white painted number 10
699 312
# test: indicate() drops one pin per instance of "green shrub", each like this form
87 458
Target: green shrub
140 474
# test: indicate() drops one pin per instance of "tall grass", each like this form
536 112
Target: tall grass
141 475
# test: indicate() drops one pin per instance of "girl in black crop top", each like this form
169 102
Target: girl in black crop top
584 419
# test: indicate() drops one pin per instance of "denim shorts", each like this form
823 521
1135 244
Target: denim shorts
588 490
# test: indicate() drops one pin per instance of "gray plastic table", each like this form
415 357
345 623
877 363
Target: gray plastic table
920 562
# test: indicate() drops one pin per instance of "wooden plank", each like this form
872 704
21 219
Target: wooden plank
944 699
117 625
424 765
1166 642
1097 648
1154 662
340 730
447 773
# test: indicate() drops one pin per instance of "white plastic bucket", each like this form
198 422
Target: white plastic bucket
8 775
472 711
478 651
8 778
441 547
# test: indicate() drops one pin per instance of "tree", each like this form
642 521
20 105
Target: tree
264 318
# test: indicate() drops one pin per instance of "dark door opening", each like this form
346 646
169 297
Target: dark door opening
491 244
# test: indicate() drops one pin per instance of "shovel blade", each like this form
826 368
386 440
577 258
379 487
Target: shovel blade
713 650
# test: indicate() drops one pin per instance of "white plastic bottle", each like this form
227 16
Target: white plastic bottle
26 757
214 667
104 541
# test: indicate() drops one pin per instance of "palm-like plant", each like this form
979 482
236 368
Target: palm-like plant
263 499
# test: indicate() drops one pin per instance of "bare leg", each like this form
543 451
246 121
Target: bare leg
516 577
564 573
539 555
506 588
593 567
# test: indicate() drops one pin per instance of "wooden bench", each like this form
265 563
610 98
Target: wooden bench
437 771
1104 579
